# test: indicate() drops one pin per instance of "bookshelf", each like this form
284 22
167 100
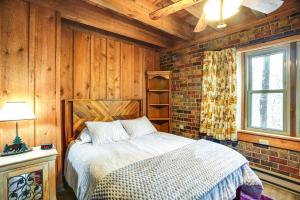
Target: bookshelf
159 99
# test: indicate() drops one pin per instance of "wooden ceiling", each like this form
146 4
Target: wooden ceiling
130 18
181 24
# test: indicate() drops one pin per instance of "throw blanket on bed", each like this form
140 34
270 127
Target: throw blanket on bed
186 173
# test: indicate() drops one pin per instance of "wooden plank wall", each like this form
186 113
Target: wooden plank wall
28 70
43 61
97 66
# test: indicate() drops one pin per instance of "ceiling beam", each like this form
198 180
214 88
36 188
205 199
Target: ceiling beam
84 13
139 10
195 10
170 9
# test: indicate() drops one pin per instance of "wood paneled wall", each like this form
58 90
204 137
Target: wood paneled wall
29 70
43 62
97 66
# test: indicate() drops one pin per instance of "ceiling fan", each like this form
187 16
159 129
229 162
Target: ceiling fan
217 9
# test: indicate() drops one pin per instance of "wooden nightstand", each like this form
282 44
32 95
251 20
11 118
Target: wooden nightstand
30 175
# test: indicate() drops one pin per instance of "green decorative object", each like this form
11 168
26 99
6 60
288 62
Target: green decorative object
17 140
16 111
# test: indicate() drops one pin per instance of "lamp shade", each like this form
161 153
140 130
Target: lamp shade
15 111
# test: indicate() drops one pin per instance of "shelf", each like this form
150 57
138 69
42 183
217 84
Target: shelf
159 99
159 119
158 90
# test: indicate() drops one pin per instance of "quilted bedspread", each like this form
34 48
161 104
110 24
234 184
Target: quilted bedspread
201 170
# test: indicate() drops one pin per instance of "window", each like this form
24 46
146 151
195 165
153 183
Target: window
267 90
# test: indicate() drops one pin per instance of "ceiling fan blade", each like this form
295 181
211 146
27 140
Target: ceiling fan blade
265 6
201 24
179 5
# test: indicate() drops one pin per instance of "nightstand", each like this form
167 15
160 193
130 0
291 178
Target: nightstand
29 175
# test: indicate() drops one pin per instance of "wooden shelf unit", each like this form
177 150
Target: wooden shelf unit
159 102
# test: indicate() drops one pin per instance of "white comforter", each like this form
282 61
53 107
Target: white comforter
85 163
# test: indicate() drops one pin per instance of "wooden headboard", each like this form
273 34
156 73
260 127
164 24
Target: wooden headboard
78 111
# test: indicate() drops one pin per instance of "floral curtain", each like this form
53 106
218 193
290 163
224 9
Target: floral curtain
218 103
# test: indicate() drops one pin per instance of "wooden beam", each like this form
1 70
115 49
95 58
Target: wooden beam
279 141
179 5
195 10
82 12
139 10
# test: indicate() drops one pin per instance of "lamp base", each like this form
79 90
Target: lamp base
16 148
10 153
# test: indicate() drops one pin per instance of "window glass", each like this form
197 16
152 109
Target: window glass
266 90
267 111
267 72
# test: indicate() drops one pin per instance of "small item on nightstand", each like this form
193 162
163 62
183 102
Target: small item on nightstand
16 111
46 146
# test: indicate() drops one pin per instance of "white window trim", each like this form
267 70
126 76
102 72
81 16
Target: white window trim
286 90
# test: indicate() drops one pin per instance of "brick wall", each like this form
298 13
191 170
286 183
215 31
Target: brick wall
186 65
277 160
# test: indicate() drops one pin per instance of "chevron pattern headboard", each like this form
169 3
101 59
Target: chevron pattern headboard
78 111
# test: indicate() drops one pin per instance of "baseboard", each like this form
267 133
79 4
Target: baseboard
279 181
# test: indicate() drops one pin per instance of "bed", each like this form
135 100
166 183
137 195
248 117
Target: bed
154 166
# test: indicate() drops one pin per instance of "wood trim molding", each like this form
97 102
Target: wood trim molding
279 141
293 93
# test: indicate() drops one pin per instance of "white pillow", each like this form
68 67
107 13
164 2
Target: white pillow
138 127
84 137
106 132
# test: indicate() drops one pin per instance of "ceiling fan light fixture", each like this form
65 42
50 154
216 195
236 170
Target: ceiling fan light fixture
212 9
222 26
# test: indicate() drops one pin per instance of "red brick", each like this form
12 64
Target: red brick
278 160
269 164
262 166
269 152
291 170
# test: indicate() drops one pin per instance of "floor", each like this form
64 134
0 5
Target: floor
269 190
279 194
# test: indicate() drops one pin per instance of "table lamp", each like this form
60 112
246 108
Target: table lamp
16 111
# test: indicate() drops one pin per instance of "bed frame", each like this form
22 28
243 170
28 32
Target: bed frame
78 111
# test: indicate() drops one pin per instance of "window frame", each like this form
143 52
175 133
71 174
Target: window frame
298 92
285 90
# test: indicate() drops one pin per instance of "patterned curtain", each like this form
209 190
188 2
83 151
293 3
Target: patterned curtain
218 103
